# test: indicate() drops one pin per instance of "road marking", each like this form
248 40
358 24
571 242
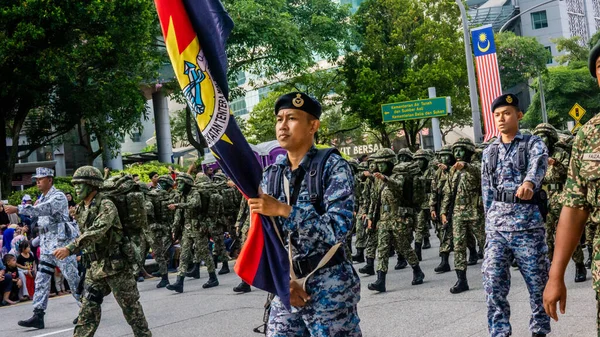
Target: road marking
54 333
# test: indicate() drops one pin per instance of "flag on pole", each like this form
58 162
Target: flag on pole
195 33
488 75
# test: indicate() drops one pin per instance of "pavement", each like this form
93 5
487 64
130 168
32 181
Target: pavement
404 311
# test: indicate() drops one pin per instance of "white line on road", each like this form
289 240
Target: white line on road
54 333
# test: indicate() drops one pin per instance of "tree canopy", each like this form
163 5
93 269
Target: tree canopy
520 58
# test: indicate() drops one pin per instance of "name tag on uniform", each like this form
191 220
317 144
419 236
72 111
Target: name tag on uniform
595 156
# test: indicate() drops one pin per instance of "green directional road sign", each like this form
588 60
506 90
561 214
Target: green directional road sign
424 108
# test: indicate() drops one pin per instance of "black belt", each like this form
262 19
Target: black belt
554 187
307 265
510 197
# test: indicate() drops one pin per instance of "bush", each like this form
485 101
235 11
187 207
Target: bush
143 170
61 183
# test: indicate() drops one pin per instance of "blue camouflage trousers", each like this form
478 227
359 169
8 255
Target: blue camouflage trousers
68 268
334 323
531 254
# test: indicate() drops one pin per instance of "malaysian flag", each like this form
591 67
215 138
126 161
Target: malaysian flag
488 75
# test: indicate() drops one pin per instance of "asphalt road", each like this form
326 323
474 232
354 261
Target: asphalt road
405 310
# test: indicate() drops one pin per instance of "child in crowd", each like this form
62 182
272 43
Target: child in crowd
10 261
59 281
27 268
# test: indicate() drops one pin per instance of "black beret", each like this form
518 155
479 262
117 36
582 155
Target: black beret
505 100
299 101
594 54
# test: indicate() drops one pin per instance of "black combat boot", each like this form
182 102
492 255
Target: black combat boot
368 268
418 275
401 264
444 266
140 277
480 253
472 256
242 288
580 273
588 262
426 243
461 284
418 247
36 321
225 268
379 284
360 255
538 334
177 286
194 272
212 281
75 320
392 252
164 281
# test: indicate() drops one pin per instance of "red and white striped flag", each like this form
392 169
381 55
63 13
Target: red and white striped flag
488 75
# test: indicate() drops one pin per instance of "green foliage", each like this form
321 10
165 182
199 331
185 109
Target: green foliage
61 183
404 47
283 37
520 58
260 126
144 169
575 52
563 87
150 148
178 130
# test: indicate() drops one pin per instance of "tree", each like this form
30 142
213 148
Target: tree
65 64
520 58
279 39
404 47
260 126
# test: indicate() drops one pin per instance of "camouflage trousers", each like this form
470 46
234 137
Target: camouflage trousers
161 242
201 251
217 231
361 231
446 239
590 232
422 225
479 231
140 246
124 289
530 252
463 237
48 263
372 241
194 248
394 233
340 322
551 223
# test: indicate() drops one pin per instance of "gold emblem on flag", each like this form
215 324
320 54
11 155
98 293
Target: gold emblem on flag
298 101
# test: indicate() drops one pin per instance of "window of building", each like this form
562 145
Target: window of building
136 137
238 106
539 20
549 60
241 78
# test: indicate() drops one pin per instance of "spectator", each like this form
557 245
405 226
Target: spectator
136 178
7 236
4 220
27 267
26 220
6 285
10 262
70 200
172 172
59 282
153 181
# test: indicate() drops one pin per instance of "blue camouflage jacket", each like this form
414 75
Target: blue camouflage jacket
52 213
338 286
510 217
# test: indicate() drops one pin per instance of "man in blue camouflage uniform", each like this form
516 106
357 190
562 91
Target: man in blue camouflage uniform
514 223
326 306
55 230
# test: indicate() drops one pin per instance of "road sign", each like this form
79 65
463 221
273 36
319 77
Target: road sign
576 128
577 112
424 108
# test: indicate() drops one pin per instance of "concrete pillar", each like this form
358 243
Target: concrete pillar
59 156
163 127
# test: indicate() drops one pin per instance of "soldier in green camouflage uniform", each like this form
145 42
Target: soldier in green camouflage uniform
446 160
212 208
556 175
479 227
160 228
371 230
242 225
364 189
219 250
404 155
459 206
394 206
104 246
422 194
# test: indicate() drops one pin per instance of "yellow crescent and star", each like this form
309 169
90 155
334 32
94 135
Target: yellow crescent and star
483 38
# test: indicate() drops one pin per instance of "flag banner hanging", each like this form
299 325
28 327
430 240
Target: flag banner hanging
488 75
195 33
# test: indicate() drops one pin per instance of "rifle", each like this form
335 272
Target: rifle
451 206
377 214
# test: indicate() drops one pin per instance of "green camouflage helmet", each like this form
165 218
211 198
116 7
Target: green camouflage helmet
143 187
219 177
405 151
422 154
364 166
121 183
565 143
185 178
465 143
525 132
88 175
166 179
384 155
202 178
446 149
548 130
403 168
430 153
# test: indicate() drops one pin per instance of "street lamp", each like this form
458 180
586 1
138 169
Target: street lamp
475 113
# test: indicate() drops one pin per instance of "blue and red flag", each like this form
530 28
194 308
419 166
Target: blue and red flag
195 33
